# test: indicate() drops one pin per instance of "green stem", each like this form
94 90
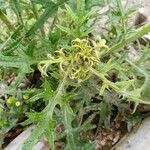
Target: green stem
140 32
4 18
102 77
55 100
113 86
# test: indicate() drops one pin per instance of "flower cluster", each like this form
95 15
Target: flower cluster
84 54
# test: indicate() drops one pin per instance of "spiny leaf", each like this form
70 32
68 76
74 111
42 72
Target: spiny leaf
47 117
16 62
64 29
36 97
105 114
68 117
33 118
18 9
89 146
35 135
49 11
90 4
80 7
87 123
71 13
51 135
43 2
139 33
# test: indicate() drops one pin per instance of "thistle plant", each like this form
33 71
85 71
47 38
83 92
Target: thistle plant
75 87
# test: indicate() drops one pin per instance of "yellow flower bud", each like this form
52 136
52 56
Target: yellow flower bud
25 96
17 103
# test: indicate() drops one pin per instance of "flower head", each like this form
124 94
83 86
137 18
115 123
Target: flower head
84 54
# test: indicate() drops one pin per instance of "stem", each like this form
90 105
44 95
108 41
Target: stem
4 18
102 77
140 32
55 100
112 85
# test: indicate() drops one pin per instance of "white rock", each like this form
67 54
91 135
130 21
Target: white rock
18 142
136 140
133 53
2 88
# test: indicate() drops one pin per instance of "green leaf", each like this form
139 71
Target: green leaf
15 62
64 29
48 91
105 111
50 132
89 146
18 9
87 123
36 97
49 11
35 135
90 4
71 13
43 2
130 11
80 7
68 118
133 37
84 18
47 117
123 85
33 118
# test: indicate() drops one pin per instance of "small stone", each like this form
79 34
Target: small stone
2 88
103 142
110 137
133 53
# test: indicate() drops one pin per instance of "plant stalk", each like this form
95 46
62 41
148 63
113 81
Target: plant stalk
140 32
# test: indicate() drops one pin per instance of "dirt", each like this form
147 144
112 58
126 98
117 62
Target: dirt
107 138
